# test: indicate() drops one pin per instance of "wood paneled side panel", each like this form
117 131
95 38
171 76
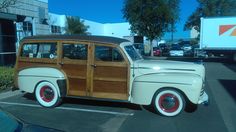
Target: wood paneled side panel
75 70
77 85
111 95
110 72
23 64
110 87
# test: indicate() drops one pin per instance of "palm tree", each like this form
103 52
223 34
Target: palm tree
76 26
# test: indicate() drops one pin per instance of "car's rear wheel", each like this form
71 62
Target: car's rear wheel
47 95
169 102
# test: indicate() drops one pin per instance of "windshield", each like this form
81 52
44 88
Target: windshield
8 123
134 55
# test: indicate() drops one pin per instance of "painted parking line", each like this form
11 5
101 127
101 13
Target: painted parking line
72 109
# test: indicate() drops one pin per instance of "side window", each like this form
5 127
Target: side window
105 53
39 50
47 51
29 50
75 51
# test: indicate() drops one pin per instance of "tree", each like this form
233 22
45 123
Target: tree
210 8
76 26
4 4
149 18
175 11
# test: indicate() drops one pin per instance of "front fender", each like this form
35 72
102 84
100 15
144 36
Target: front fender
144 87
29 78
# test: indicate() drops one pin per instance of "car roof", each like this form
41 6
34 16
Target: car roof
90 38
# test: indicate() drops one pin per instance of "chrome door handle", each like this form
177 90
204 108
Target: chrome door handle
61 63
94 66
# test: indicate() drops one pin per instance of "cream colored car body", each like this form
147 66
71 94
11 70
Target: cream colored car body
146 78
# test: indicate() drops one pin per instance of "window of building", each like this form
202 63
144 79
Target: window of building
55 29
75 51
39 50
105 53
27 27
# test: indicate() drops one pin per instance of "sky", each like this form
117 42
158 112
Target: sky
108 11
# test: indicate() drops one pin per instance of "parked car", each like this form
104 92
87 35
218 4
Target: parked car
119 73
164 49
182 43
156 51
10 123
140 48
187 48
176 50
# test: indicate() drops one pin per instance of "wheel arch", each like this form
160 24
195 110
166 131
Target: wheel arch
58 90
170 88
38 75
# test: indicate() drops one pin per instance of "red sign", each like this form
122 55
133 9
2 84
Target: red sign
225 28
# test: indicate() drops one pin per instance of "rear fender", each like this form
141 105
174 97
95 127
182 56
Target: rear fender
29 78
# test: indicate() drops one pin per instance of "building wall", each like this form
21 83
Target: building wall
95 28
31 8
117 29
57 20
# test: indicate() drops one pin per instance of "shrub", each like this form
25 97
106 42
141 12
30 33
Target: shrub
6 78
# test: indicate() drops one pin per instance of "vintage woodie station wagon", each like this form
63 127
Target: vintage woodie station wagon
98 67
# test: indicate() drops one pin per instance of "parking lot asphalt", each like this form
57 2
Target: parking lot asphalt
95 116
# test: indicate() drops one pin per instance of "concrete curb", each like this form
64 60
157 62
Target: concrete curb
9 94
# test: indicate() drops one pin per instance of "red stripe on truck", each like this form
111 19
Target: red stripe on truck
225 28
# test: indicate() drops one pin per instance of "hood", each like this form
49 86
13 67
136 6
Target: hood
157 66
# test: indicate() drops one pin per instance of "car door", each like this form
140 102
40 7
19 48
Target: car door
74 61
109 73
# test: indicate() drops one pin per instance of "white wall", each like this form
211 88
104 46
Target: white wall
95 28
117 29
57 20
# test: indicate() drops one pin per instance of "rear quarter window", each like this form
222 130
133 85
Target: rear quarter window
39 50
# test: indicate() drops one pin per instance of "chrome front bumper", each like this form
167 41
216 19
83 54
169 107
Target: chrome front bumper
204 99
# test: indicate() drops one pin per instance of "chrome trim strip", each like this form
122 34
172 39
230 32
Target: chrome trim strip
141 68
164 69
40 76
164 82
179 69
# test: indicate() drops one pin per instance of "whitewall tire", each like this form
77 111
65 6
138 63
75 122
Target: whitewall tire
47 94
169 102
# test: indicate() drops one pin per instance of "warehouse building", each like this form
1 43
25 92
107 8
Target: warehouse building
18 19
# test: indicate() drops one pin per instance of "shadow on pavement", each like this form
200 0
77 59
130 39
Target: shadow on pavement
105 103
92 102
231 66
229 86
29 96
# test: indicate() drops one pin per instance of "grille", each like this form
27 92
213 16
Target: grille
202 92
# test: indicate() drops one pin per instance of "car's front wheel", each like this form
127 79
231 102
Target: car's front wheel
47 95
169 102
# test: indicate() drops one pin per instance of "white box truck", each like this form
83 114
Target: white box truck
218 36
